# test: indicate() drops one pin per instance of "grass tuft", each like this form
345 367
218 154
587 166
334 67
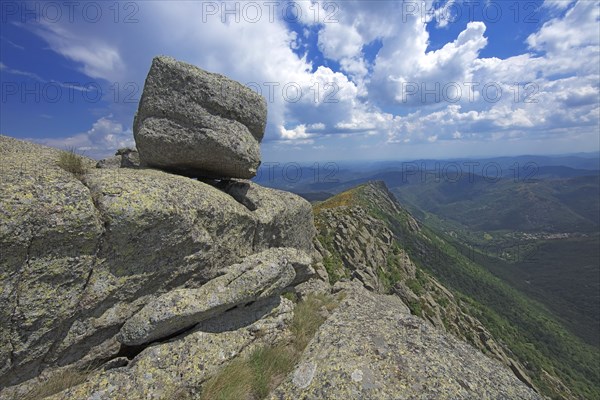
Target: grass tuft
255 376
56 383
308 318
72 162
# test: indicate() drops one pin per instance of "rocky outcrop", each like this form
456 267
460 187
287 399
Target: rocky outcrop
80 256
197 123
110 162
130 158
361 243
123 158
371 347
358 243
259 276
282 218
177 368
157 281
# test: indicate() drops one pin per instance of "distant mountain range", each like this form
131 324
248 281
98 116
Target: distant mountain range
335 177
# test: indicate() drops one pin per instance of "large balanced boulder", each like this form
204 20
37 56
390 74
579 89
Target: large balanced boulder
198 123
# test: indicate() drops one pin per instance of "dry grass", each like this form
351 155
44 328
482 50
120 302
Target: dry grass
255 376
308 318
72 162
58 382
342 199
235 381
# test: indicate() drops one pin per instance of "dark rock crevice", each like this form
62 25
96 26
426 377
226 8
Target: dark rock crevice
15 309
95 196
232 319
51 357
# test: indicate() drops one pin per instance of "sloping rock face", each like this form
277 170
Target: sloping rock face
371 347
282 218
358 245
79 257
198 123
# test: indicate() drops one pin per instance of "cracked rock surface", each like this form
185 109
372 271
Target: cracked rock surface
259 276
80 256
160 370
371 347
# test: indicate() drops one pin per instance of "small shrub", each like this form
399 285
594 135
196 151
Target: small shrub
335 268
416 308
442 301
392 274
415 286
72 162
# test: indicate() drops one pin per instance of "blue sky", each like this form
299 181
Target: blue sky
344 80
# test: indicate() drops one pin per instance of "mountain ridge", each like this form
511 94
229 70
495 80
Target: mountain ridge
159 240
478 292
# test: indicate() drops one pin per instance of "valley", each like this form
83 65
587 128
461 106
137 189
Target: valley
520 255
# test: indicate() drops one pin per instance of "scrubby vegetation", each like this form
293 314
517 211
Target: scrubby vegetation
392 272
333 263
72 162
526 327
254 376
342 199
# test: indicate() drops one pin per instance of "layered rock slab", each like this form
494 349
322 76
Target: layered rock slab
80 257
49 234
198 123
372 348
258 276
182 365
